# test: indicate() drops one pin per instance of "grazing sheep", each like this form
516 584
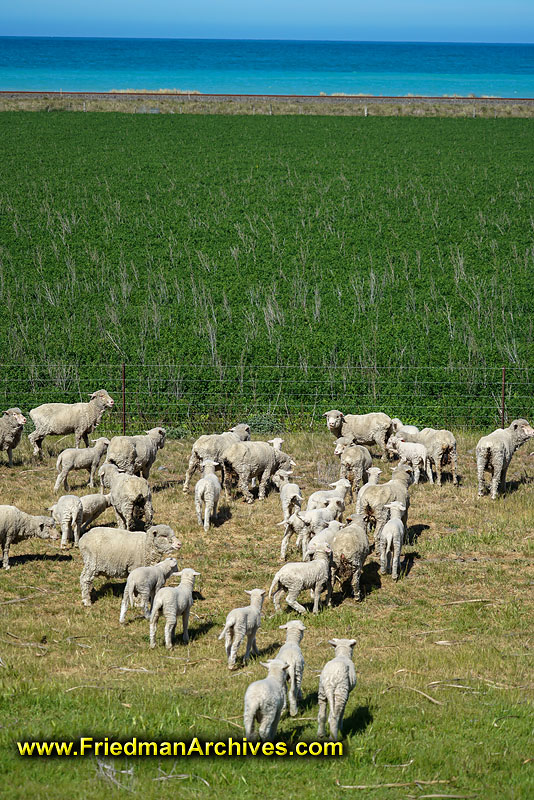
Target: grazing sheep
250 460
207 491
308 523
93 505
242 622
494 453
326 535
411 453
322 498
350 548
11 426
441 449
355 463
338 679
173 602
143 583
16 525
373 476
264 701
60 418
366 429
399 428
115 553
75 459
68 515
213 446
291 653
377 497
136 454
296 576
290 497
391 540
130 496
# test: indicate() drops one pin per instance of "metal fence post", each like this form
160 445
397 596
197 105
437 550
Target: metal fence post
123 399
502 397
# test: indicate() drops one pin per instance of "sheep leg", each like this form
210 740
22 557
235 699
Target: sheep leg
77 532
380 440
153 626
251 647
243 487
92 476
285 543
239 635
254 646
194 464
36 439
170 627
61 478
9 456
124 605
356 583
149 512
416 473
185 625
276 602
292 694
7 544
86 584
291 600
65 531
121 521
429 471
263 484
228 485
335 718
395 566
496 481
454 462
383 556
198 509
321 717
268 733
207 517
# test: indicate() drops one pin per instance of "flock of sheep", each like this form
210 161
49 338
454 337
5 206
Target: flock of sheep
331 550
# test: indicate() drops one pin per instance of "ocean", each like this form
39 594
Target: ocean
267 67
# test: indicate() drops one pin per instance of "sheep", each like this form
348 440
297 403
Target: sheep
392 539
173 602
326 535
411 453
212 446
142 585
130 496
16 525
115 553
296 576
75 459
355 463
136 454
241 622
350 548
290 497
68 515
322 498
264 701
207 491
93 505
60 418
441 449
373 476
399 428
291 653
250 460
494 453
366 429
308 523
11 426
276 443
338 679
375 499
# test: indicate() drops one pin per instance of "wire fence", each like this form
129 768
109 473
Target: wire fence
192 398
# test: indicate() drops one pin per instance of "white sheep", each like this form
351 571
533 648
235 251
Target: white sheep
441 449
76 459
398 427
276 443
296 576
173 602
307 524
291 653
136 454
68 515
142 585
376 497
11 426
366 429
413 453
494 453
213 446
115 553
373 476
93 505
326 535
207 492
249 460
241 622
338 679
290 496
350 548
130 495
60 418
16 525
391 540
355 461
264 701
322 498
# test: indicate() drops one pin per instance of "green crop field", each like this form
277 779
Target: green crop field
272 264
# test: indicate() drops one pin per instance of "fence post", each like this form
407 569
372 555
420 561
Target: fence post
502 397
123 399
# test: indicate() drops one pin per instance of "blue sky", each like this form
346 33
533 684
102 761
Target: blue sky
372 20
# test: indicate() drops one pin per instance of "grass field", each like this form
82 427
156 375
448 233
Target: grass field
444 657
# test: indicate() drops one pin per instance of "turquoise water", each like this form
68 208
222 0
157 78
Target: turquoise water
266 67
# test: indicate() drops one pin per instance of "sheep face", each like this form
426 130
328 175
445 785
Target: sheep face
334 420
522 430
16 415
165 540
46 528
106 400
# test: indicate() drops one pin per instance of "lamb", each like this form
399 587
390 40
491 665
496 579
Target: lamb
391 540
250 460
366 429
338 679
322 498
373 476
207 491
399 428
143 583
441 449
350 548
326 535
308 523
276 443
68 515
173 602
355 463
264 701
93 505
60 418
212 446
136 454
411 453
290 495
130 496
115 553
296 576
494 453
291 653
75 459
11 426
241 622
376 498
16 525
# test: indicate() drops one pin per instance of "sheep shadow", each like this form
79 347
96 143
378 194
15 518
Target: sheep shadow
516 483
268 650
414 532
116 589
224 513
370 580
308 702
359 719
161 487
28 558
407 564
201 630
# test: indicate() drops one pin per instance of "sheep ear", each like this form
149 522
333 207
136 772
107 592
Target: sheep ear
282 523
263 592
352 642
283 627
248 591
265 664
293 463
325 414
333 642
196 573
180 573
333 484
